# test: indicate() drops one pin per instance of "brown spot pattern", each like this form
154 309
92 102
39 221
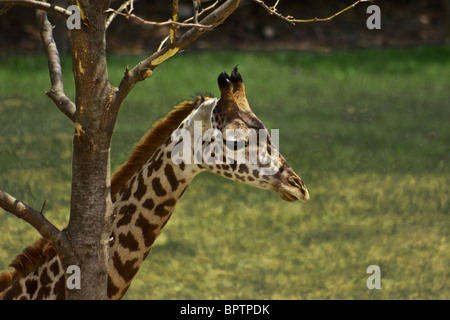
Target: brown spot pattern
141 188
45 279
54 268
170 175
126 191
148 230
31 287
126 270
149 204
158 188
112 288
161 210
155 165
43 293
128 241
126 211
243 168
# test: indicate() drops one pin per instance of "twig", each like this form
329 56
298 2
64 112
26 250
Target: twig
292 20
5 9
173 28
30 215
196 5
131 6
43 206
160 24
49 7
203 11
56 93
161 45
144 69
120 9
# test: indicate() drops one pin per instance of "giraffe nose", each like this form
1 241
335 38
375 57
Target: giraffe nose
297 182
305 194
294 190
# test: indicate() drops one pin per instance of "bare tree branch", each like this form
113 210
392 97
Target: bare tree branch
173 28
37 5
30 215
170 22
56 93
122 7
144 69
292 20
163 42
214 19
202 12
5 8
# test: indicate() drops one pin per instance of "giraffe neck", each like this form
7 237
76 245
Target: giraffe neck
143 203
142 208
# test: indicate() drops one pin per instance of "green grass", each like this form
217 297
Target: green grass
368 131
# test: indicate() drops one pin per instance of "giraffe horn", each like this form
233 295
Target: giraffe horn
239 90
225 86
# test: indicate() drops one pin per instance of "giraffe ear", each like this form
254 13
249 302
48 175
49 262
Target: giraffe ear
203 112
239 90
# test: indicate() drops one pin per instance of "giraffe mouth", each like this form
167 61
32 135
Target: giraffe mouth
291 197
293 191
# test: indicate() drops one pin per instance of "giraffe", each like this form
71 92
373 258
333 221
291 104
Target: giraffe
147 187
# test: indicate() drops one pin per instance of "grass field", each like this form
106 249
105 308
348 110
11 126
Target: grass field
368 131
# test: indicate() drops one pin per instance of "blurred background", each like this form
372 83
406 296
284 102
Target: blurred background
404 23
363 117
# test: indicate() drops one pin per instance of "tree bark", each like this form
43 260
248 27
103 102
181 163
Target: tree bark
91 204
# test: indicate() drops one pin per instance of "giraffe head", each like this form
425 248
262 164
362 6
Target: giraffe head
231 141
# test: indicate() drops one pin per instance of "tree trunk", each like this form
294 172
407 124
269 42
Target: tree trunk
91 203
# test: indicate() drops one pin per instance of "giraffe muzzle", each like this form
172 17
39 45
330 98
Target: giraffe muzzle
293 190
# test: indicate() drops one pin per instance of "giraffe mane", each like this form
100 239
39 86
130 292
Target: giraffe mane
148 144
27 261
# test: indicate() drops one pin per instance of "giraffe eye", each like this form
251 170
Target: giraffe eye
238 145
235 145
